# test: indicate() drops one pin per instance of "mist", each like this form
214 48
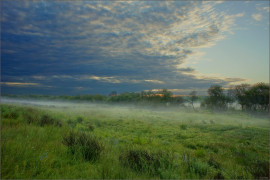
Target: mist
183 113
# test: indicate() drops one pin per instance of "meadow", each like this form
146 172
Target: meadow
81 140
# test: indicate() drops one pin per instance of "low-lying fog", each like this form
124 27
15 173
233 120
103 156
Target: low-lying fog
59 103
48 103
168 113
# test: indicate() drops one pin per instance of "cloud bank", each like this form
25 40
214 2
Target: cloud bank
100 46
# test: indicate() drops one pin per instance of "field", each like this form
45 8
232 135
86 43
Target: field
72 140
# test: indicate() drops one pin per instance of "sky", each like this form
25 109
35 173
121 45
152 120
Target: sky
96 47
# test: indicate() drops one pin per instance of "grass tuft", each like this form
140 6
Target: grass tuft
183 126
46 120
142 160
79 119
90 147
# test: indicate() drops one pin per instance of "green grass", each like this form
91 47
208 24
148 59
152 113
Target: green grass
117 142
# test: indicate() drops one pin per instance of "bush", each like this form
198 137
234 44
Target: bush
88 146
30 115
46 120
13 115
71 123
91 127
191 146
219 175
183 126
58 123
70 141
212 162
30 119
33 117
79 120
144 161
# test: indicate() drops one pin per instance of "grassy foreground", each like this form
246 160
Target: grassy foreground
117 142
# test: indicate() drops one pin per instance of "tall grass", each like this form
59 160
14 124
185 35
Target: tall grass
107 143
89 146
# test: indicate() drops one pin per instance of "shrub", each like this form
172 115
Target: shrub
31 116
13 115
88 146
191 146
145 161
183 126
58 123
46 120
4 114
219 175
212 162
79 120
70 141
91 127
71 123
30 119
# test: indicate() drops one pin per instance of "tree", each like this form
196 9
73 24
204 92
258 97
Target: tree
241 94
166 95
230 95
254 97
178 100
192 98
98 97
217 99
113 93
259 97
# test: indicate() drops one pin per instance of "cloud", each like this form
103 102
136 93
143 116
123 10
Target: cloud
19 84
187 70
257 17
120 79
263 9
266 9
183 91
154 81
105 79
94 43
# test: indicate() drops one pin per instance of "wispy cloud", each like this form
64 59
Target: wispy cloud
105 79
266 9
257 17
154 81
19 84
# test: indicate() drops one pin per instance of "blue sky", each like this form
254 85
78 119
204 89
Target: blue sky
89 47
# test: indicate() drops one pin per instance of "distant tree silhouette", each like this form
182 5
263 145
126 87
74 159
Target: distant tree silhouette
113 93
192 98
254 97
259 96
166 96
217 99
241 94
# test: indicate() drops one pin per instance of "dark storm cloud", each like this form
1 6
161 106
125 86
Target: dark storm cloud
101 45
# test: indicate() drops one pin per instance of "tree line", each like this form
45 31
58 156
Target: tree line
250 97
